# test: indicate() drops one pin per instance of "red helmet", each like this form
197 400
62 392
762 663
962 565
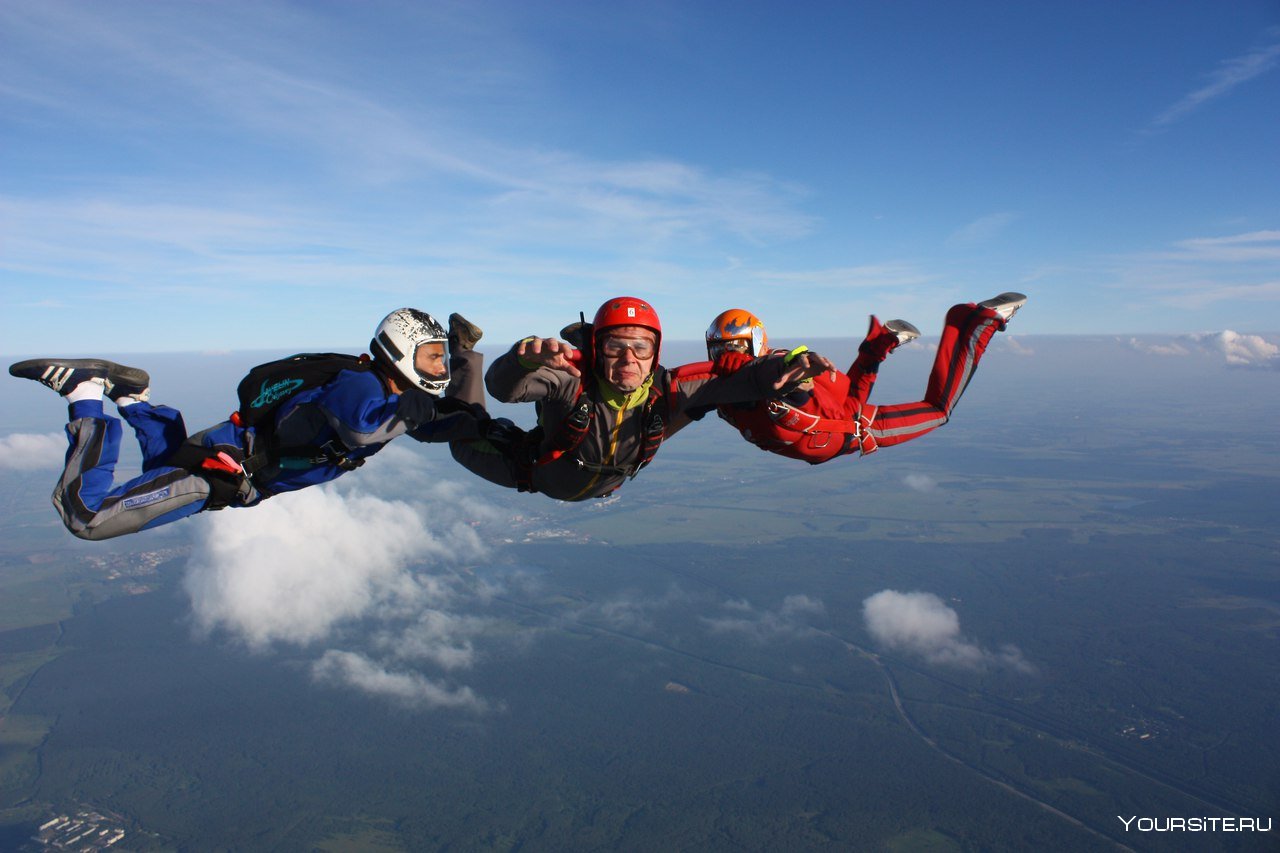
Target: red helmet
737 325
627 311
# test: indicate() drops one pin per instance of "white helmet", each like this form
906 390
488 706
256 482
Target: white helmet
396 344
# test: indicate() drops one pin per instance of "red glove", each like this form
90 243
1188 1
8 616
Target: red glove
730 362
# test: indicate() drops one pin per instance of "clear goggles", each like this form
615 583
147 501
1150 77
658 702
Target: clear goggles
641 348
716 348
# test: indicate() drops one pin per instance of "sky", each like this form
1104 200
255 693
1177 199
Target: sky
186 176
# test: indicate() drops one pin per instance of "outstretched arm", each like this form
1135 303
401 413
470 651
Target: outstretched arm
535 369
801 364
738 378
549 352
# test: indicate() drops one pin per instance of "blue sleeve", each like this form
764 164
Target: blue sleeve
362 412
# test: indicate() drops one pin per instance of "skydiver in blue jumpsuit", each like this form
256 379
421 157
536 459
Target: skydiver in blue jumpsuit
339 424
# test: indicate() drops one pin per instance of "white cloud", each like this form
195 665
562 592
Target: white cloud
920 482
442 638
331 564
920 623
1230 74
24 451
1238 349
1156 348
1251 246
632 611
297 565
409 688
1016 345
790 620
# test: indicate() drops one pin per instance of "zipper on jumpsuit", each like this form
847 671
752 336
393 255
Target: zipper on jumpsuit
613 452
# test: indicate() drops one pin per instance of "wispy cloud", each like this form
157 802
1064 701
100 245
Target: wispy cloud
632 610
1198 272
982 230
412 689
1234 248
1229 75
24 451
920 623
1017 345
1159 348
417 192
791 619
920 483
870 275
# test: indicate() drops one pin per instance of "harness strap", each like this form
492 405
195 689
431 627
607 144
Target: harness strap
789 417
332 452
571 431
220 467
866 441
574 428
858 429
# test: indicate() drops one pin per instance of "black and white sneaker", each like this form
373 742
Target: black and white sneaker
130 382
1005 305
64 374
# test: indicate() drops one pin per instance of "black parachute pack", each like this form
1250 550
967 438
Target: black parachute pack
268 386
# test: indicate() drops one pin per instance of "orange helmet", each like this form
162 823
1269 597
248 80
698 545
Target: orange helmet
627 311
737 325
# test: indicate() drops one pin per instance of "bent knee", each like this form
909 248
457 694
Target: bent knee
94 534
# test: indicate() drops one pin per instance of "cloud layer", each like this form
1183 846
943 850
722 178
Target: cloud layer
920 623
24 451
1237 349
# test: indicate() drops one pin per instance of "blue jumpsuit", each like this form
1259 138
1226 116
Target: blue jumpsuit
354 409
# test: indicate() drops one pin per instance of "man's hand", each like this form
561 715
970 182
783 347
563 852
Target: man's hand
802 365
549 352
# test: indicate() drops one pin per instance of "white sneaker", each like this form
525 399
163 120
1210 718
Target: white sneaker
902 330
1005 305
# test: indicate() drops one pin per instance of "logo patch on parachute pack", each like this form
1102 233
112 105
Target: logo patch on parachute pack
273 392
268 386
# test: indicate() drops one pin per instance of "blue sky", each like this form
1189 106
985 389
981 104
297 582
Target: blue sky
211 176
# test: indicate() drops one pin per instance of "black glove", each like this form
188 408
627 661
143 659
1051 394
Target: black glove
454 405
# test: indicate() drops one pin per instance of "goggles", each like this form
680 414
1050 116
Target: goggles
715 348
641 348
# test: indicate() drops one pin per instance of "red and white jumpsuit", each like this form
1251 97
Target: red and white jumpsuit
831 417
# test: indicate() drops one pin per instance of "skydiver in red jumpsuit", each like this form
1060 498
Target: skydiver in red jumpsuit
829 416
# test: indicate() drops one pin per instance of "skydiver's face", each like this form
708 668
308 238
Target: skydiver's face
627 354
429 361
